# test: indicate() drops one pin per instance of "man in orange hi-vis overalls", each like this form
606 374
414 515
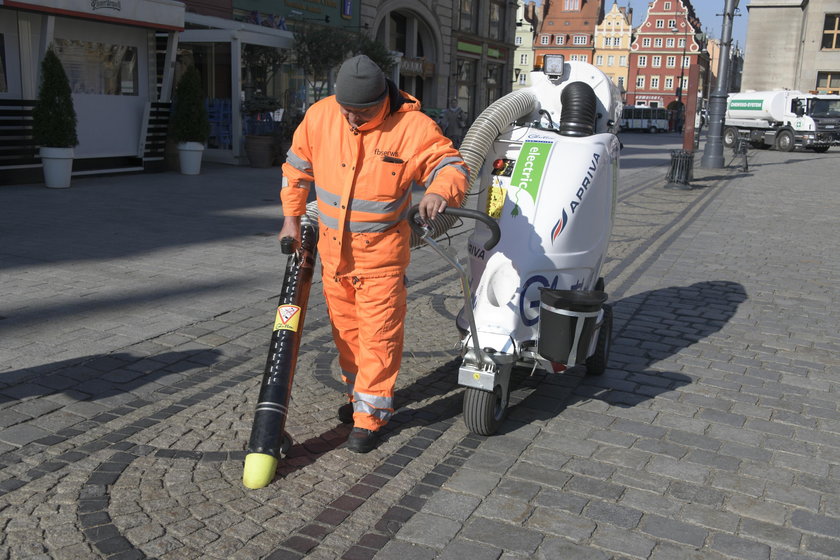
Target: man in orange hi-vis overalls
363 149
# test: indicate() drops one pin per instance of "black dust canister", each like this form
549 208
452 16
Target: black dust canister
567 323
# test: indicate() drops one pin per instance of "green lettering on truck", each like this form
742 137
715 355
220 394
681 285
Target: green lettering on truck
745 105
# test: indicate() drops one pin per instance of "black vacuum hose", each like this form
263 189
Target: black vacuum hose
578 115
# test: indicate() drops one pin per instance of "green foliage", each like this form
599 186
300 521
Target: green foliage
189 121
319 49
375 51
261 64
53 117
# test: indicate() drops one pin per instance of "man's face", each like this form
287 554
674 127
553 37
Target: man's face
357 117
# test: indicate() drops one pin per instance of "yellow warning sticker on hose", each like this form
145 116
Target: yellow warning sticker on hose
287 318
496 201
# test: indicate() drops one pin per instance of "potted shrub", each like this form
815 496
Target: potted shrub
54 123
190 124
260 129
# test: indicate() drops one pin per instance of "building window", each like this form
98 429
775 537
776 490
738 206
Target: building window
622 61
517 41
831 32
686 61
617 41
656 61
682 43
646 42
657 42
611 60
545 39
571 5
640 81
580 40
599 60
467 16
828 82
523 59
584 58
559 39
654 82
669 43
99 68
660 24
523 79
669 83
495 28
607 41
672 24
642 61
621 81
671 61
667 6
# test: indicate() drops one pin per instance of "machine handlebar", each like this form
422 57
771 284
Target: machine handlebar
495 232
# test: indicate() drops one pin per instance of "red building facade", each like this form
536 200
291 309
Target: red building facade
568 28
667 44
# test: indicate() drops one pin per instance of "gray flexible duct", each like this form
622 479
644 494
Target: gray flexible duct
479 140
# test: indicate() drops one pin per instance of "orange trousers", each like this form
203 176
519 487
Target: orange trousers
368 316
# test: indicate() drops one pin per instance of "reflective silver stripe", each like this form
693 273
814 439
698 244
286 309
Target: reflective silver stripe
297 162
361 404
361 205
301 184
363 227
455 162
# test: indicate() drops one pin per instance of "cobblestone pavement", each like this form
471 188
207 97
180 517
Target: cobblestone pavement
134 326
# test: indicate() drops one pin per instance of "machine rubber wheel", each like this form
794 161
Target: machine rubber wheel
820 149
785 142
597 362
729 136
483 410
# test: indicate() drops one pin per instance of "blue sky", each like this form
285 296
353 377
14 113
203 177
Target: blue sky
707 10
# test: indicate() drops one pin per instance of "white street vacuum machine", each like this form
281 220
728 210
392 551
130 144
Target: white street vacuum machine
543 184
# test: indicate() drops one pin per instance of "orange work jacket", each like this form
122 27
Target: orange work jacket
363 180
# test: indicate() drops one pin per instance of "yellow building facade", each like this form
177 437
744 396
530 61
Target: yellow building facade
612 44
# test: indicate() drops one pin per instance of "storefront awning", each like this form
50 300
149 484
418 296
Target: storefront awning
219 30
158 14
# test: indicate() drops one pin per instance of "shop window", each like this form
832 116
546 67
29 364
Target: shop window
831 32
99 68
4 85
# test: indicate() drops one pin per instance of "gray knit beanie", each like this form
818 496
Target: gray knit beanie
360 83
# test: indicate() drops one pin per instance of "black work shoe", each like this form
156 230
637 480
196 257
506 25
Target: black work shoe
362 440
345 413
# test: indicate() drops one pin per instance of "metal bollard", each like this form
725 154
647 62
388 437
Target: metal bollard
681 171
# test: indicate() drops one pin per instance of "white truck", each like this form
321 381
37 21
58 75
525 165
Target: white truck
783 119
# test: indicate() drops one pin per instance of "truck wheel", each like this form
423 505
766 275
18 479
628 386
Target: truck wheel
597 362
653 129
820 149
730 135
484 411
785 142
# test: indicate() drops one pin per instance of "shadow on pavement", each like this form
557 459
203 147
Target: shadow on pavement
95 377
650 327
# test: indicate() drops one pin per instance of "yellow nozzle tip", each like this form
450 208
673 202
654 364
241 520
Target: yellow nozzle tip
259 470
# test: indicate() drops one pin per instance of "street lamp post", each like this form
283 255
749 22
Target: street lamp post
713 152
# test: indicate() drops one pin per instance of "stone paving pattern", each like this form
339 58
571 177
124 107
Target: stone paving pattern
135 322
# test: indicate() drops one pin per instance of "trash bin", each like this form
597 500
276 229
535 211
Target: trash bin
681 171
567 324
